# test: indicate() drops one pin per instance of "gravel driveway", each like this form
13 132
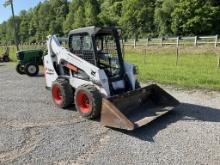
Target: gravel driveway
34 131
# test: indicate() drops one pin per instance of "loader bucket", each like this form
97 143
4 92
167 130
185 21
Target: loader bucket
137 108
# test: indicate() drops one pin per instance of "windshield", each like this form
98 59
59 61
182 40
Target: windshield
107 54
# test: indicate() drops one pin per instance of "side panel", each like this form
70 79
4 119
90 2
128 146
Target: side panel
49 71
129 70
32 56
60 54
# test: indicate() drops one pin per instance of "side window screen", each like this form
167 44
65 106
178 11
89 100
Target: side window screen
81 45
87 44
82 42
76 42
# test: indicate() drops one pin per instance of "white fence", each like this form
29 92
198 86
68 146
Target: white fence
176 41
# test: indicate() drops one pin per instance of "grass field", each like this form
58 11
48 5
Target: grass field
197 67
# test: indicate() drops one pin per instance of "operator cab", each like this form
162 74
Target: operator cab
100 47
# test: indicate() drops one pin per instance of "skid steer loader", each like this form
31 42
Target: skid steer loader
93 75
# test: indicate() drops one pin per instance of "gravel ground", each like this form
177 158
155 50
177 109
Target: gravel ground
34 131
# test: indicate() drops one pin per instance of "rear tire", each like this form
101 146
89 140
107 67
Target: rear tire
20 69
31 69
62 93
88 101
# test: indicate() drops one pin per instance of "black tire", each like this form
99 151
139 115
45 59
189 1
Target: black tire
137 84
31 69
20 69
94 101
62 88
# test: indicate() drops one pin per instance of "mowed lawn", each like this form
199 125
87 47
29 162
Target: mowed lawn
197 67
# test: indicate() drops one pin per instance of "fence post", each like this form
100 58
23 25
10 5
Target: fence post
195 42
218 60
177 41
147 42
216 40
134 43
145 55
123 48
161 41
177 50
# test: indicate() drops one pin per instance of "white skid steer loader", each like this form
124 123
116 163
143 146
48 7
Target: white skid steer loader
93 75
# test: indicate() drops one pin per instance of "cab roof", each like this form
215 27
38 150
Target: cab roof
92 30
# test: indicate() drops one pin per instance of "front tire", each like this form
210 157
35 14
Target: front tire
88 101
31 69
20 69
62 93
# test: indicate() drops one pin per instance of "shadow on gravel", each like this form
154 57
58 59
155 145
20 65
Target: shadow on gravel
70 108
39 75
183 112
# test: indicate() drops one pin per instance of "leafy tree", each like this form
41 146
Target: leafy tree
10 29
24 26
193 17
162 16
111 11
3 33
137 17
57 15
79 17
91 12
68 23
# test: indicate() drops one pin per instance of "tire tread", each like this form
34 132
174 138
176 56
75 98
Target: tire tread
95 98
67 92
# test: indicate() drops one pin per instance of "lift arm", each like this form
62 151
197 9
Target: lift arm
61 55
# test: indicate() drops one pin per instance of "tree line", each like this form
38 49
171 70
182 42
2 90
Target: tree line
137 18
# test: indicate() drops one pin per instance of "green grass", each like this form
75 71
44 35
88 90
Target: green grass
196 69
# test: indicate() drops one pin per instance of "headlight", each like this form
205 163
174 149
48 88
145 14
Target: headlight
135 70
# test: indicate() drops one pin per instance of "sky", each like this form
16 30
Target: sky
19 5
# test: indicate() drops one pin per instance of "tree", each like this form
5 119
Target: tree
3 32
91 12
111 11
24 26
162 16
10 29
57 15
79 14
194 17
137 17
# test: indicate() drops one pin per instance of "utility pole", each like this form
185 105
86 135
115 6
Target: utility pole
10 2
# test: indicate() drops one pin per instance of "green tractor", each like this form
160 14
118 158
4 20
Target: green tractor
29 61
